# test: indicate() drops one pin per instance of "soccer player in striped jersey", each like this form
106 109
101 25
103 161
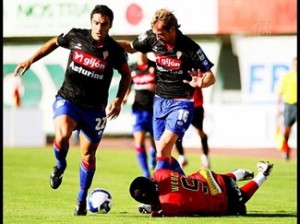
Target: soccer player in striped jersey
81 102
143 81
180 63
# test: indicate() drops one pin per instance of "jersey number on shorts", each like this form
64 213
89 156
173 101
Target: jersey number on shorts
183 115
101 122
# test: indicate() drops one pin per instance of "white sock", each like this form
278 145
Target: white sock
181 159
239 174
205 161
259 178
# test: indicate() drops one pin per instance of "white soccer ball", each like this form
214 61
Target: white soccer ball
99 201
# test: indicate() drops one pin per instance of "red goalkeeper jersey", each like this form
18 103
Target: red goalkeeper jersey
198 97
203 192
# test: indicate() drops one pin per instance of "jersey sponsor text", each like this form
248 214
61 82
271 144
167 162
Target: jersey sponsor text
81 70
89 61
168 62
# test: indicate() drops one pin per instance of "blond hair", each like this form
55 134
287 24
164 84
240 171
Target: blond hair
167 17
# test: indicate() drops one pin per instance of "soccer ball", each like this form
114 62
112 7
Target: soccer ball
99 201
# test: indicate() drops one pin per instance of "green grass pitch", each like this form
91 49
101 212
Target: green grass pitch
28 198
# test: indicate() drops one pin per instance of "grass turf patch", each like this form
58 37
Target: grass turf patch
28 198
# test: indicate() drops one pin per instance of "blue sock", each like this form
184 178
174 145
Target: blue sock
162 163
60 154
174 165
142 159
152 157
86 174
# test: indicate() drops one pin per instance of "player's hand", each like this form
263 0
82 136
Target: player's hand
22 67
197 78
113 109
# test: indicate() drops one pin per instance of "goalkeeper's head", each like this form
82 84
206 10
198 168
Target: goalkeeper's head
144 191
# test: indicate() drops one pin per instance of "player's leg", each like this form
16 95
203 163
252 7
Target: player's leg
152 157
148 118
139 135
285 146
64 124
182 160
164 147
90 137
141 154
240 174
197 122
264 170
289 118
171 119
174 165
159 124
179 147
87 170
205 150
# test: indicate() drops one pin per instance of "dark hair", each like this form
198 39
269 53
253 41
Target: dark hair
103 10
144 190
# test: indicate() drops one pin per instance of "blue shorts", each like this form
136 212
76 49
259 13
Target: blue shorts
173 115
90 122
142 121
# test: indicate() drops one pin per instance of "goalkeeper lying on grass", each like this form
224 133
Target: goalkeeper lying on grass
203 193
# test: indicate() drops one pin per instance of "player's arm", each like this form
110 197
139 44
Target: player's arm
127 45
209 79
47 48
114 108
127 93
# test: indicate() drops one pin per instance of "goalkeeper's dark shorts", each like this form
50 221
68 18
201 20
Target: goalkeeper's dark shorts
236 206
